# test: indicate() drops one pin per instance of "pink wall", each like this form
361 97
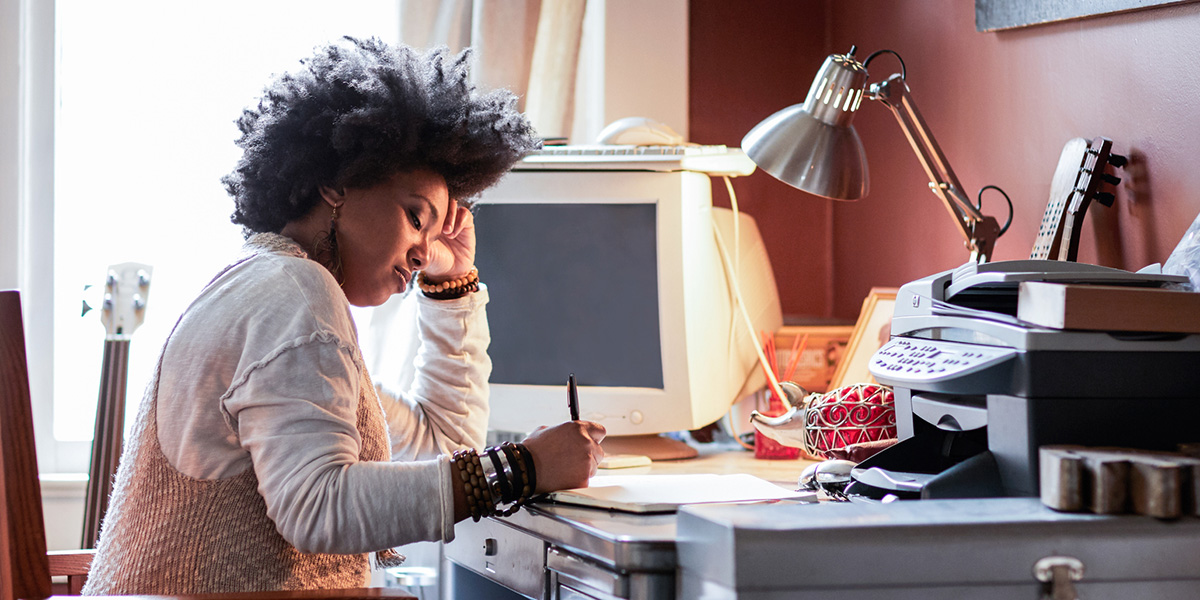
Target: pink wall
749 59
1001 106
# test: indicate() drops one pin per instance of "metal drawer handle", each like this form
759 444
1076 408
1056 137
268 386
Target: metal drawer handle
1058 575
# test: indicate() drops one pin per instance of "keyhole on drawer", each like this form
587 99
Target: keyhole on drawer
489 547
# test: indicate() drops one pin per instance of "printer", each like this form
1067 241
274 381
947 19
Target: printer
978 391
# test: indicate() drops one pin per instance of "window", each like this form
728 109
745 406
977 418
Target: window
148 93
139 98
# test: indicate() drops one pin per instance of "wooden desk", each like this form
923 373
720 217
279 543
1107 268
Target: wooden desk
551 551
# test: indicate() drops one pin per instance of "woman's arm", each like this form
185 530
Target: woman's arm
445 407
296 414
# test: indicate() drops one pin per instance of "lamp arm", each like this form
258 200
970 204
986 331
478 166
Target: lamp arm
979 231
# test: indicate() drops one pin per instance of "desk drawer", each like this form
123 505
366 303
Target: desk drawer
502 554
573 577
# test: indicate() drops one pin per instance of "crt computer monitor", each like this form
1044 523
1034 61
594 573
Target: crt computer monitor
617 277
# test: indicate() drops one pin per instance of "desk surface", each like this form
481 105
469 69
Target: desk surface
642 542
724 460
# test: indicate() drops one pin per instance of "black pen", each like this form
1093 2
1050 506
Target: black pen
573 397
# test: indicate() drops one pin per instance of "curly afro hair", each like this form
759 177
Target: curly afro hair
360 111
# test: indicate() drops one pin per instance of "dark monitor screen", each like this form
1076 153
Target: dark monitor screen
573 288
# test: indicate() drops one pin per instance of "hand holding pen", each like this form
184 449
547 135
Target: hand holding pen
566 455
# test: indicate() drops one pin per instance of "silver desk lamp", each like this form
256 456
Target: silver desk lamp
813 146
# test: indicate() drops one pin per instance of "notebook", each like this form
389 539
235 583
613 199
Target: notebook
666 493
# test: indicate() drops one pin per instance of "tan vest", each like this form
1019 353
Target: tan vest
167 533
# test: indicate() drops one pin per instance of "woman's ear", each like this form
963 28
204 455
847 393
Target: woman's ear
333 197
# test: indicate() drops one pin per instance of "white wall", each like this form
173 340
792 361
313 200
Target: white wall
9 140
633 63
27 187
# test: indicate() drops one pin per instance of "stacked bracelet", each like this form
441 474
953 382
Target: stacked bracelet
498 485
527 458
470 472
455 288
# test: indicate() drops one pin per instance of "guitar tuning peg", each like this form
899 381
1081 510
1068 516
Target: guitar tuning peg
1111 179
1117 160
1105 198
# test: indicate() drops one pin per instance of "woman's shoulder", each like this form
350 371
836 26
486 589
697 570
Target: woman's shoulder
277 283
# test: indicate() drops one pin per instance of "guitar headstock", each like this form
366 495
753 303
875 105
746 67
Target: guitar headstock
1078 179
126 290
1092 177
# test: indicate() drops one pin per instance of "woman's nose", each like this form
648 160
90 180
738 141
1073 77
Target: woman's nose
418 255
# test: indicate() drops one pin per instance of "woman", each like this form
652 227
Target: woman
259 459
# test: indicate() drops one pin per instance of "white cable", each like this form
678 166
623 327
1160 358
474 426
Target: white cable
737 230
735 283
735 274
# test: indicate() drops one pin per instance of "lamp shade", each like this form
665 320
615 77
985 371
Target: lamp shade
813 146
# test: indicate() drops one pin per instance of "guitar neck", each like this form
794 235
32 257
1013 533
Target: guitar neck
1068 250
108 437
126 287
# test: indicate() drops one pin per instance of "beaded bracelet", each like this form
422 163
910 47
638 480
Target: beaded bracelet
454 293
507 477
447 290
479 498
485 498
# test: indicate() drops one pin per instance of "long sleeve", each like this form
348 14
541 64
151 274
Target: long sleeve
436 350
264 373
295 415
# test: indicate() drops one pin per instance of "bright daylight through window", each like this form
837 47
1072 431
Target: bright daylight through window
148 94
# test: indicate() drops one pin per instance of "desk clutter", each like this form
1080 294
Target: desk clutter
848 423
1110 481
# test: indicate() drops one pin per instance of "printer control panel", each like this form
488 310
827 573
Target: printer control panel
911 360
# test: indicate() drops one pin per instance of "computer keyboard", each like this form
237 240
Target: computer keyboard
711 159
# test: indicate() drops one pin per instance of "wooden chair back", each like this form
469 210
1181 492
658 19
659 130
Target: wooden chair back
24 566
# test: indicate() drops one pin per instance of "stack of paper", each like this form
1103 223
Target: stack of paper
666 493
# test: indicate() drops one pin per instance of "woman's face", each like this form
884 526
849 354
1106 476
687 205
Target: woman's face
384 232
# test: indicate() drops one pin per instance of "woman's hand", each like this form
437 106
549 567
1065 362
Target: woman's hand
452 254
565 456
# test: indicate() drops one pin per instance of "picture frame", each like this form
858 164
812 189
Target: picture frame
871 331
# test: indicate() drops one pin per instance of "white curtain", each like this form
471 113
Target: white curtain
528 46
